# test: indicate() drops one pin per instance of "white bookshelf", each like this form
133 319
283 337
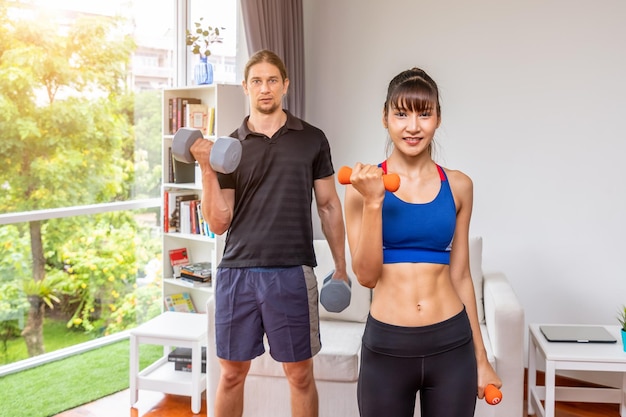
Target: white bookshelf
229 103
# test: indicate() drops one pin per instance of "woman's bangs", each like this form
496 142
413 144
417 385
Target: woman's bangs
411 99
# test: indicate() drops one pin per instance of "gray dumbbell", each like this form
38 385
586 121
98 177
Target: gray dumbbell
225 154
335 293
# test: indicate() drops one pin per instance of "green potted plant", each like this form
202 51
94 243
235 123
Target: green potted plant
621 318
200 40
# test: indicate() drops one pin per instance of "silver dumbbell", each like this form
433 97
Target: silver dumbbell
225 154
335 293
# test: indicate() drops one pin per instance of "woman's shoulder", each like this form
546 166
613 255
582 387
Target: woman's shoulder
458 179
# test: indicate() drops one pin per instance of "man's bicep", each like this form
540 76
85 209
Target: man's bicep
325 190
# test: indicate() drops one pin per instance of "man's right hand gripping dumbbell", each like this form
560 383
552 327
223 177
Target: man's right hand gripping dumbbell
225 152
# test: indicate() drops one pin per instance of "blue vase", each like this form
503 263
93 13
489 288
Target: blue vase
203 72
624 339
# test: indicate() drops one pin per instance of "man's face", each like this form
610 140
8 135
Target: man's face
265 88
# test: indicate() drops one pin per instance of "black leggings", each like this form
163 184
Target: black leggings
438 361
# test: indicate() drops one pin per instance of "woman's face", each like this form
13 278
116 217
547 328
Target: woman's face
411 131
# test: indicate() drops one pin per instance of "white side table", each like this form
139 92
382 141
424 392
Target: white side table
170 329
578 357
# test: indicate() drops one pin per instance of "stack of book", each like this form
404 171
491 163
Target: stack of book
197 274
182 359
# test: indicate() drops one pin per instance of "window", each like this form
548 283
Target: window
223 55
80 111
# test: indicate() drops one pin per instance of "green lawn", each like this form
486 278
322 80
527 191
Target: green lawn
49 389
56 336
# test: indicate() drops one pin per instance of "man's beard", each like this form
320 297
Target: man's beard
268 110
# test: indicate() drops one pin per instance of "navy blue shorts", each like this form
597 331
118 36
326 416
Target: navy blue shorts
278 302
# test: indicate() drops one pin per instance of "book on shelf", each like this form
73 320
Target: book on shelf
177 110
191 220
193 214
165 212
193 280
193 283
189 217
185 217
179 105
170 165
186 367
182 171
183 354
173 115
173 200
179 302
203 226
170 116
211 123
196 217
197 117
178 258
181 357
184 102
198 271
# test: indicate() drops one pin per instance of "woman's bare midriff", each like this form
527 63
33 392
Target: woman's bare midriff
414 294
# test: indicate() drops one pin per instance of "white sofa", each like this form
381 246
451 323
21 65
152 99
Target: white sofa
337 364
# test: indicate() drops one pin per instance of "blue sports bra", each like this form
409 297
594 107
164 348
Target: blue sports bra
419 232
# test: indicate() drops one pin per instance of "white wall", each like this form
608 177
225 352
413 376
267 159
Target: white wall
533 102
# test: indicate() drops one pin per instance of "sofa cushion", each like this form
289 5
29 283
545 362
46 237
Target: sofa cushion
338 360
361 297
341 349
476 269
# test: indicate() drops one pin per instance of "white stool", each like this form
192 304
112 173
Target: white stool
170 329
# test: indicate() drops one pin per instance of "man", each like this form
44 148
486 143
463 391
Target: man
265 282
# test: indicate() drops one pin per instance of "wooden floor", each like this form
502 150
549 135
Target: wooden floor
150 404
154 404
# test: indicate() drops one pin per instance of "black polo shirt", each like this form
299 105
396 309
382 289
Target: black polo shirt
273 186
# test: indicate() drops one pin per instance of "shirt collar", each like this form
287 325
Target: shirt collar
293 123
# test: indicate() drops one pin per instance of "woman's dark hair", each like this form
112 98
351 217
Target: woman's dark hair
412 90
265 56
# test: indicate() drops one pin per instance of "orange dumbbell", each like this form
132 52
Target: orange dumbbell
493 395
391 181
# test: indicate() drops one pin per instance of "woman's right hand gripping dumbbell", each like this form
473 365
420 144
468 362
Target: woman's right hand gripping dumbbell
369 180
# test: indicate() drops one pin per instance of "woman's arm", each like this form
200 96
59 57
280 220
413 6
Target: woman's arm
462 189
363 207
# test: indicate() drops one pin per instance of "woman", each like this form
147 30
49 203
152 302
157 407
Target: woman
411 247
